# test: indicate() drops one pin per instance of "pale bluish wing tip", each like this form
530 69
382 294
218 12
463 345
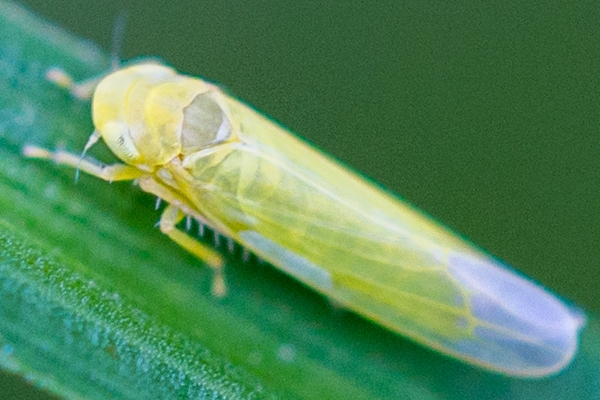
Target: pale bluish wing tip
579 316
518 327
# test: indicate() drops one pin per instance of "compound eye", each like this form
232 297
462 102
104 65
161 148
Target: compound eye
204 124
117 137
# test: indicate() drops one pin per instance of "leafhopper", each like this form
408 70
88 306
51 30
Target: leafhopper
219 161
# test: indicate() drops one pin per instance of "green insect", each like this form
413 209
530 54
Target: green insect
217 160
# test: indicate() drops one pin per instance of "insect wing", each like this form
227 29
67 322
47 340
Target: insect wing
329 228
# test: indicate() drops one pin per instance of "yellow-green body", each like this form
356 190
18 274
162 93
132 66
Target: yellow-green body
219 161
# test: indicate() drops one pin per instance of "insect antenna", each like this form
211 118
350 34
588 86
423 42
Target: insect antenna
118 36
92 140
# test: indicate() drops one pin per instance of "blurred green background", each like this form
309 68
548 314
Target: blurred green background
483 115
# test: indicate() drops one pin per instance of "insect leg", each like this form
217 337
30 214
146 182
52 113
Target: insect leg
170 217
115 172
82 90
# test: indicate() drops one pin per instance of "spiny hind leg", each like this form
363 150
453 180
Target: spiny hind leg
115 172
170 217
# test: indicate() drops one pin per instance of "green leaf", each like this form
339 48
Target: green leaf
96 303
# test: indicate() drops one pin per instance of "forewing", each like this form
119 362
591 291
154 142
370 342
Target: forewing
346 238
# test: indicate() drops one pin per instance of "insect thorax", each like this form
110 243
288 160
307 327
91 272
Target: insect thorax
148 114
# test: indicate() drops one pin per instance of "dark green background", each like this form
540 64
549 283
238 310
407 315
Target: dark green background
484 116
